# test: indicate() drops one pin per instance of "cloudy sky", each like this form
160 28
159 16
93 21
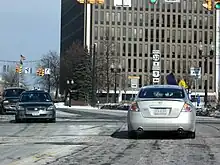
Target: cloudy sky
29 27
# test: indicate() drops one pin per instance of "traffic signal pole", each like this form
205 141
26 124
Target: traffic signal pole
217 48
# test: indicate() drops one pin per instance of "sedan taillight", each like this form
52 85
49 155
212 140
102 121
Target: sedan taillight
134 107
186 108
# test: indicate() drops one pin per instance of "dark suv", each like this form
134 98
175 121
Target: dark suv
10 98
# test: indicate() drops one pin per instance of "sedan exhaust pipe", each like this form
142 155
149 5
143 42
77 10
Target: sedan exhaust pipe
180 131
140 130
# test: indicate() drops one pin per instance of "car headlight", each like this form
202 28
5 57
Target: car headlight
6 101
20 108
51 108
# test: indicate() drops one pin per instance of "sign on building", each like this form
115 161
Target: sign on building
172 1
134 81
195 72
124 3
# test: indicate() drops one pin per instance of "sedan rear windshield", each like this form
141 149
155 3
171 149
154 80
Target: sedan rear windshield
161 93
35 97
12 92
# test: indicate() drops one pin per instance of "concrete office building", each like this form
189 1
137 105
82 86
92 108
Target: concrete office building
176 29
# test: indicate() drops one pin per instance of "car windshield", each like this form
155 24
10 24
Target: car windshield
35 97
12 92
161 93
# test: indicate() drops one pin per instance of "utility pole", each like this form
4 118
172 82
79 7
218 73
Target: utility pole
93 75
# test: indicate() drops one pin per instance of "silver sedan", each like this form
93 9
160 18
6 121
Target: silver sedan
162 108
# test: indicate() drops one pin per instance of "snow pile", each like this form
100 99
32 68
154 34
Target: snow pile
61 105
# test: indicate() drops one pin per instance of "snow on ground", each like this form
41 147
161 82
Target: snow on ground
61 105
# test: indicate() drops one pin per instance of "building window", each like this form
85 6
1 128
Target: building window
210 67
151 35
140 81
140 50
135 49
190 51
140 65
190 36
173 65
140 34
157 35
96 33
113 17
129 65
184 36
145 65
107 17
210 82
113 32
184 51
135 65
173 35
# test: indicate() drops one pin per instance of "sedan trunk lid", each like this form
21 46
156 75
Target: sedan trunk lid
160 107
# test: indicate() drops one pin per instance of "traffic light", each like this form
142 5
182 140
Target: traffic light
208 4
17 69
217 4
40 72
81 1
91 1
100 1
20 69
153 1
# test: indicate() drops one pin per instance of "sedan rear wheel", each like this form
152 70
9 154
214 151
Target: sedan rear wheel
17 120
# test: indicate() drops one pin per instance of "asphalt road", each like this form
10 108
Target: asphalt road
85 137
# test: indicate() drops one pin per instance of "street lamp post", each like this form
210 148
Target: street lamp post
206 56
69 85
115 69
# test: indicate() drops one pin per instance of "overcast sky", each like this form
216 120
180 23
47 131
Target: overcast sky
29 27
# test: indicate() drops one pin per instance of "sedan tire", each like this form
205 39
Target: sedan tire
17 120
52 120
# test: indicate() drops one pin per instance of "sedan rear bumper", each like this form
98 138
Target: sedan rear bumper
185 120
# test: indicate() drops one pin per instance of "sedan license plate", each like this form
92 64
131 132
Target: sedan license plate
35 114
160 112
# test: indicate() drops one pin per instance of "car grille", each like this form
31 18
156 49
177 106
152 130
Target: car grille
36 108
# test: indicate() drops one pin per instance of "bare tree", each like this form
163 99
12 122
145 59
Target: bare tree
12 78
51 60
105 59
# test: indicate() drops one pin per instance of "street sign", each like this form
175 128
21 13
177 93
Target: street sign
172 1
156 65
47 71
134 83
196 72
156 80
27 70
133 77
156 57
156 73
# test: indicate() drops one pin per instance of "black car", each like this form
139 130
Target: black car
35 104
10 98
